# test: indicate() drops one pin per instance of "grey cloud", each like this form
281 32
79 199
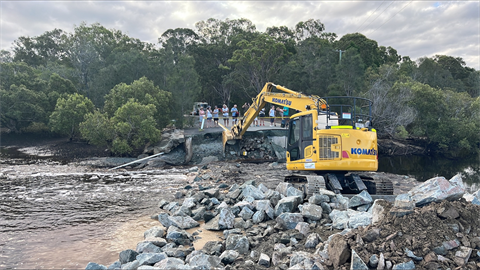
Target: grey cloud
422 28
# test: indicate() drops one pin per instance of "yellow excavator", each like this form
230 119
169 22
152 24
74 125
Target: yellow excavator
329 142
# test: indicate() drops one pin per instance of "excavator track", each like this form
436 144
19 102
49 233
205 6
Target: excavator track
311 184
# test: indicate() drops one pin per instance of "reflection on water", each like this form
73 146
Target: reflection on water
425 167
52 220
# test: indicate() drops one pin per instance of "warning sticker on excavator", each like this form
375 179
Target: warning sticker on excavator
346 135
309 165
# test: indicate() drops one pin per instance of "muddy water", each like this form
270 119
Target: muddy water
63 217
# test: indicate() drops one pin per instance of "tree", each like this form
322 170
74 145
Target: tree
391 109
349 73
97 129
22 107
367 48
144 92
69 113
258 62
38 51
134 127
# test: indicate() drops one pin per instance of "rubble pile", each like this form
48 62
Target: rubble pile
433 226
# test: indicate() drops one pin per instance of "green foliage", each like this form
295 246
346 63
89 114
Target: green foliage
228 61
134 127
97 129
401 133
128 131
69 113
21 106
144 92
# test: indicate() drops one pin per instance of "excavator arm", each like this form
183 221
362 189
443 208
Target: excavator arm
288 98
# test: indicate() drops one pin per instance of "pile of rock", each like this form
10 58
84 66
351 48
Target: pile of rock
265 228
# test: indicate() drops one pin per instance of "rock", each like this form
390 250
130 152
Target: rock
229 256
234 194
287 205
170 139
292 191
451 244
264 260
213 248
95 266
203 261
164 220
130 266
373 261
378 210
237 242
371 235
258 217
289 221
156 231
404 201
462 255
313 240
170 264
438 189
183 222
115 265
318 199
339 219
357 262
282 188
246 213
172 250
338 250
212 193
450 213
150 258
212 225
127 256
147 247
157 241
189 202
410 254
178 236
341 202
326 208
397 212
404 266
311 211
253 192
303 228
298 257
198 214
226 219
381 262
360 199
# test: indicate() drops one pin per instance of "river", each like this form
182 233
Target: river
54 215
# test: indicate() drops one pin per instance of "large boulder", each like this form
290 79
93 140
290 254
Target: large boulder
289 221
287 205
178 236
150 258
170 139
362 198
253 192
438 189
203 261
338 250
226 219
237 242
311 211
183 222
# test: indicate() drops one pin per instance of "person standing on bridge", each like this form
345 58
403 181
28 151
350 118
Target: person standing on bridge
234 111
225 115
272 116
261 115
215 116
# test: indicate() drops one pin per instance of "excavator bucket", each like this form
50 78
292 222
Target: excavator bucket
226 136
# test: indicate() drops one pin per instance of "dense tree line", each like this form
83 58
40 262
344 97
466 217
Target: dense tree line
110 89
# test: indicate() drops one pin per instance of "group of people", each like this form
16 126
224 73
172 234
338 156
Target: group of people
212 116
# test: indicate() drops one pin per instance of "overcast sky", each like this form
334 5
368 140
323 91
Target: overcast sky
413 28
